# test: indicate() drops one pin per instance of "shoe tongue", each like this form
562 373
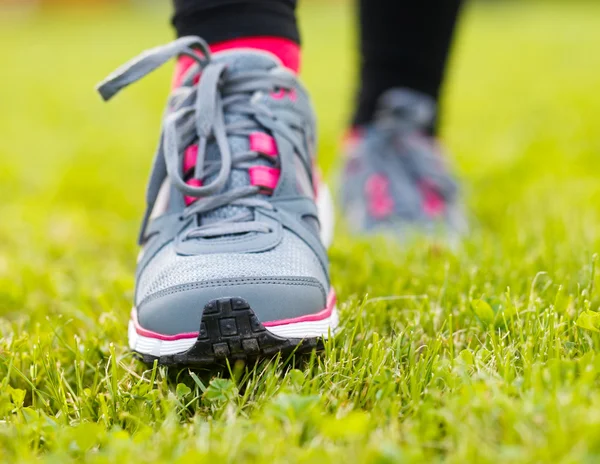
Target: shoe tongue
408 106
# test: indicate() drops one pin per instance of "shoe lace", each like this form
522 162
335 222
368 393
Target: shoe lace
421 155
198 113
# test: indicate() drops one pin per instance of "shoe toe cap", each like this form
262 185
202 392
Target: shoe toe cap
179 309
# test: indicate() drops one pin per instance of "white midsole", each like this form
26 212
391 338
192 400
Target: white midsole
306 329
326 212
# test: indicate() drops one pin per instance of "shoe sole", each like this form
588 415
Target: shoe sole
233 331
230 331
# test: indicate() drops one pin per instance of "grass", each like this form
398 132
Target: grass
485 354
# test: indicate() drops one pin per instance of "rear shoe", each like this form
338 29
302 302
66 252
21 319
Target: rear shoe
395 180
232 263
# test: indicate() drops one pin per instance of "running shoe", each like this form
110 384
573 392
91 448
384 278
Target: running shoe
395 179
232 264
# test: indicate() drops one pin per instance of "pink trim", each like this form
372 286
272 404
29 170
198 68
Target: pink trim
380 201
264 176
433 203
282 93
321 315
189 163
150 334
287 51
194 183
189 158
263 143
184 63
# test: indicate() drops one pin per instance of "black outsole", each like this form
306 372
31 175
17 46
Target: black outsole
230 331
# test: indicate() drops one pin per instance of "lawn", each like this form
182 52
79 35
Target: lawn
484 353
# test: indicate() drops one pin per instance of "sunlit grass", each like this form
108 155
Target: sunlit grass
467 355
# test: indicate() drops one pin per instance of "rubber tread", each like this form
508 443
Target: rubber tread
230 331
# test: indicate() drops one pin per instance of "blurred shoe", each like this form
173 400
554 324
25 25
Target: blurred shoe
232 263
395 180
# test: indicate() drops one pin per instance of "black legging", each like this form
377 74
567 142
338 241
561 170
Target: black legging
403 43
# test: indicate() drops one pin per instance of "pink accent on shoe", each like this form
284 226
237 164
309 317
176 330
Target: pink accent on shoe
189 163
433 203
184 63
194 183
287 51
281 93
189 158
264 176
321 315
331 300
380 202
263 143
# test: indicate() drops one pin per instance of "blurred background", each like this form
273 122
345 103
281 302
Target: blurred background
521 121
521 118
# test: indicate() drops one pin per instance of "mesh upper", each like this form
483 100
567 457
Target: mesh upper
291 258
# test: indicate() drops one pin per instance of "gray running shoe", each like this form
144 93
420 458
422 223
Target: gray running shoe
232 264
395 179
